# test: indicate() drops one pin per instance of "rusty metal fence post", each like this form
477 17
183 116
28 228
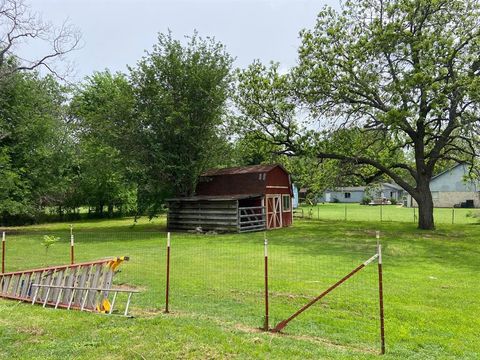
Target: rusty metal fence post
167 286
3 252
72 246
265 254
380 294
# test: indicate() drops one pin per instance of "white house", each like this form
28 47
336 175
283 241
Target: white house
452 189
355 194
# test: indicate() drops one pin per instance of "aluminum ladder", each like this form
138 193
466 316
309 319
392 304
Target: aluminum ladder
83 286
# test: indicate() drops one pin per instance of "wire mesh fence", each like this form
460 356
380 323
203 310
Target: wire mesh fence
302 269
218 276
27 250
384 213
221 277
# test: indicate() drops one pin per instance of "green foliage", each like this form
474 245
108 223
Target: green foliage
102 108
181 92
264 99
126 143
34 149
366 200
404 71
251 149
49 240
392 86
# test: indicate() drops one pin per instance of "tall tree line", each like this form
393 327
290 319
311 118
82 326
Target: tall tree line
383 89
115 142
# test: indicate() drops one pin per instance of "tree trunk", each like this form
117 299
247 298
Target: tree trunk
425 206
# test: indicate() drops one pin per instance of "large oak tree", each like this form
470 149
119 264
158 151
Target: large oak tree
405 73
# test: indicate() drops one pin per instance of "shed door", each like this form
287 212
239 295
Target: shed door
274 211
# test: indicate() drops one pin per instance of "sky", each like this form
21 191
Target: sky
116 33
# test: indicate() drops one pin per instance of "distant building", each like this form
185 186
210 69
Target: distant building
295 196
355 194
248 198
451 189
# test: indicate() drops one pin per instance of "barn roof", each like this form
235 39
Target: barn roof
215 197
256 179
242 170
446 171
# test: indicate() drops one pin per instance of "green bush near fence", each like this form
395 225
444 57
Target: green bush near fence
430 282
396 213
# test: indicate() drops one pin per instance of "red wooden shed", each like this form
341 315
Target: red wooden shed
248 198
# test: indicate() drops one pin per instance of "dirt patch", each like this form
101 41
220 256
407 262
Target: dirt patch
325 342
147 313
290 296
269 336
31 330
276 294
129 287
309 338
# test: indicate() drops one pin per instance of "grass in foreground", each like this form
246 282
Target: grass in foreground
431 287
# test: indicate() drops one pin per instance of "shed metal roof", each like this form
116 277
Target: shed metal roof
446 171
348 188
393 186
241 170
363 188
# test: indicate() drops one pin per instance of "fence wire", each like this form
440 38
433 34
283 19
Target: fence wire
26 250
221 277
384 213
302 269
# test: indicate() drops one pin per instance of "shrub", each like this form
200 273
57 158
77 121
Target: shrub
49 241
366 200
473 214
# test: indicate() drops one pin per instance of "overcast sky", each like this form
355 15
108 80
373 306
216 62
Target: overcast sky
117 32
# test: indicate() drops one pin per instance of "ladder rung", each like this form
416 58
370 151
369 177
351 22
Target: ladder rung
128 304
71 299
113 302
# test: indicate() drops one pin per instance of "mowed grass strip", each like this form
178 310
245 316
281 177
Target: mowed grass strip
386 213
431 287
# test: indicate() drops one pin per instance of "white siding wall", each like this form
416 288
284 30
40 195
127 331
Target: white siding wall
355 196
450 188
448 199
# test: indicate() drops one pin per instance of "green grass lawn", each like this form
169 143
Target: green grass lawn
386 213
430 282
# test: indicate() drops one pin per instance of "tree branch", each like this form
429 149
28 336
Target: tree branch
366 161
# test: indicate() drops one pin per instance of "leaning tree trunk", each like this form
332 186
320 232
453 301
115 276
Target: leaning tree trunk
425 206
